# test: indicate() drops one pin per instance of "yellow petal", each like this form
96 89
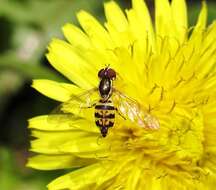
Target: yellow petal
179 14
119 39
78 179
64 58
98 35
133 179
208 41
52 142
76 36
165 28
115 16
95 143
196 36
163 19
95 154
124 58
117 25
202 20
95 174
156 184
143 26
53 162
62 123
206 63
111 170
58 91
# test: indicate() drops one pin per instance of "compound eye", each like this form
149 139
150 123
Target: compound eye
101 73
111 74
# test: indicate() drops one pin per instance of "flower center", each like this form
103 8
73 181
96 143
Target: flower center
177 145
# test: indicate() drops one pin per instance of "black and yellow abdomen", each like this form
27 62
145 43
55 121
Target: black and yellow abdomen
104 116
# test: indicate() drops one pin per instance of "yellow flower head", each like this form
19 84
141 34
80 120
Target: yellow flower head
167 68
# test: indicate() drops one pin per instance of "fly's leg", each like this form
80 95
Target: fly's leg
120 113
87 107
99 139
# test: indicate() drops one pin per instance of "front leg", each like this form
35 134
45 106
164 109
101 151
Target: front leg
87 107
120 113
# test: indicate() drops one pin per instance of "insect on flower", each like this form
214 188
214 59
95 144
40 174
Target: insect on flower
109 102
164 70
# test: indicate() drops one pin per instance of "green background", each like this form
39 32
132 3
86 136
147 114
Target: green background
26 27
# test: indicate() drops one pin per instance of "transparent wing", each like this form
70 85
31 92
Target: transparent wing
132 110
73 108
81 101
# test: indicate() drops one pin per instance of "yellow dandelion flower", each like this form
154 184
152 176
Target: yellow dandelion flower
168 68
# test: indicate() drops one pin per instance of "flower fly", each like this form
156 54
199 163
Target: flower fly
110 102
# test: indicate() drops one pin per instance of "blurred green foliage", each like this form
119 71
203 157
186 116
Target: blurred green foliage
26 27
15 176
194 9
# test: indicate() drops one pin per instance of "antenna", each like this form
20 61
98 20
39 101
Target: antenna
107 65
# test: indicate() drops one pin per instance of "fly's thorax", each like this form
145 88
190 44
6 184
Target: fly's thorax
105 88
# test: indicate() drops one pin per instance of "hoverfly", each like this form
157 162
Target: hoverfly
111 101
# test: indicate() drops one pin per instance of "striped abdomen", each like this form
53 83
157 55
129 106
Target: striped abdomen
104 116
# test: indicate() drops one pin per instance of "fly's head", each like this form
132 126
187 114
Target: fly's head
108 73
